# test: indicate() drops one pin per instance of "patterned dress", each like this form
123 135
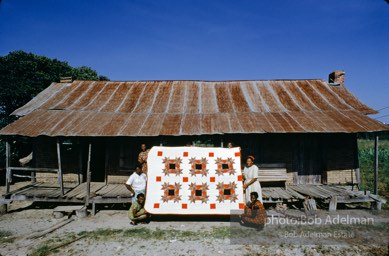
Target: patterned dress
142 159
139 210
254 215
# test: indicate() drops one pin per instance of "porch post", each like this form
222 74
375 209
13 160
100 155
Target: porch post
376 164
356 163
88 176
80 176
60 175
106 165
8 174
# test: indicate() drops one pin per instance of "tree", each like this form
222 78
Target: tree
23 75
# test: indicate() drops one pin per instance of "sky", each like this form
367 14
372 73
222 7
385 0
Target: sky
211 39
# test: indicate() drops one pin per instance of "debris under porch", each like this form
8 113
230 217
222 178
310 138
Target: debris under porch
100 193
330 195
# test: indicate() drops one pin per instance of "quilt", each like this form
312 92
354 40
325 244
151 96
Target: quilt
194 180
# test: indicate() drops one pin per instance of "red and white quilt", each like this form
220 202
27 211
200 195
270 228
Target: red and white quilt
194 180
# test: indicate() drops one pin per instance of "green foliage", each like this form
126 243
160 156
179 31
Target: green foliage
366 165
371 135
23 75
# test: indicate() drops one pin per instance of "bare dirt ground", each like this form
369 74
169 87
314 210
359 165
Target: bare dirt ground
109 233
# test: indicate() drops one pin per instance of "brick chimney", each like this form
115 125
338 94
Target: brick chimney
336 78
66 79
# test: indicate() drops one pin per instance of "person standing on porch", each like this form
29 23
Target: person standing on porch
142 157
136 184
251 183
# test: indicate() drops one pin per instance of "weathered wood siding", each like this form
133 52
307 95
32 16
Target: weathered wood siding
341 159
309 158
45 156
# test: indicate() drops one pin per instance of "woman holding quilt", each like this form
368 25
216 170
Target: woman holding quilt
251 183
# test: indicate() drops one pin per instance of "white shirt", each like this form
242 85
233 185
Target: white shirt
137 182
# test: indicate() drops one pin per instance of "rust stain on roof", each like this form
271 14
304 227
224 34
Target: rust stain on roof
152 108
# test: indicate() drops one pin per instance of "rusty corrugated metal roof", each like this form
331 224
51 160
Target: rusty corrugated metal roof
152 108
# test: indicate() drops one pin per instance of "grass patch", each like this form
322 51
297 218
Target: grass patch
157 234
52 245
220 232
101 233
137 232
6 237
41 250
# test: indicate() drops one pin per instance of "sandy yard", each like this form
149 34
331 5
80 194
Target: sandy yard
109 233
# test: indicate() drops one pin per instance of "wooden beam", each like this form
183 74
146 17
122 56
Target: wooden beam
80 175
358 177
106 165
33 177
60 174
31 169
376 164
66 243
347 200
93 208
49 230
88 176
310 207
7 165
333 203
356 163
377 204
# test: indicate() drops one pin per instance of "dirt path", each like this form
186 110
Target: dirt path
109 233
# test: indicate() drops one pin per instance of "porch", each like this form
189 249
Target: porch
102 193
330 195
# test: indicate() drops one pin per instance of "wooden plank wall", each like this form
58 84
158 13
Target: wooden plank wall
45 154
309 158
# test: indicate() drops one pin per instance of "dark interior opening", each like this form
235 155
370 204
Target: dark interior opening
97 165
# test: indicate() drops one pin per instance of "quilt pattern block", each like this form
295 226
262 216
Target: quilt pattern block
194 180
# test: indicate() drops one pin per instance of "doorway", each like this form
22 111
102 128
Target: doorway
97 165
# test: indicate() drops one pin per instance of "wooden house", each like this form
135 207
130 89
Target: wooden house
91 131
